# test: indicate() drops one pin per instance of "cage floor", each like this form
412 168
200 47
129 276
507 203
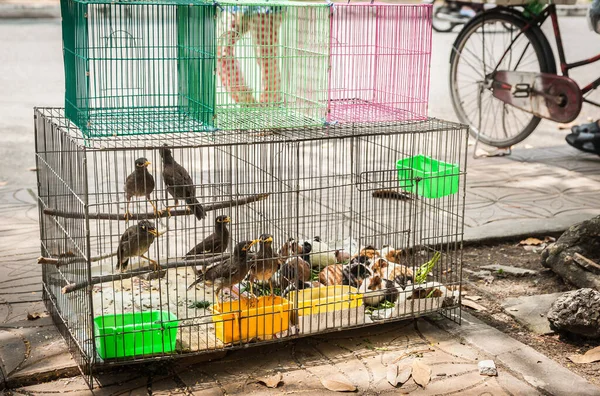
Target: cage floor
147 121
264 118
355 110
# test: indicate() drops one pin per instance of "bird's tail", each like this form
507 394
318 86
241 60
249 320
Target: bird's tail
199 279
195 206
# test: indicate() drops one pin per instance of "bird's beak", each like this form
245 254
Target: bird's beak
153 232
254 242
269 239
227 220
147 163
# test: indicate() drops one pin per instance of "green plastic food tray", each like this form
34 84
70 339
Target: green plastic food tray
428 177
135 334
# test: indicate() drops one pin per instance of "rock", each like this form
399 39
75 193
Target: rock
584 239
487 367
576 312
507 269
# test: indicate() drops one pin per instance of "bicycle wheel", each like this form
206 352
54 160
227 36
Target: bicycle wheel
476 52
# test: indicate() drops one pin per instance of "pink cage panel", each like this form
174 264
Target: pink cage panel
380 56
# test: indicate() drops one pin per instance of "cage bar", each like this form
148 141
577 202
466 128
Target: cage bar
139 67
380 58
349 240
272 64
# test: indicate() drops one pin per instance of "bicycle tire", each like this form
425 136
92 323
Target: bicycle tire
545 62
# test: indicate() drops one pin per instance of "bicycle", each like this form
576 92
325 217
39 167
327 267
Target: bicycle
503 99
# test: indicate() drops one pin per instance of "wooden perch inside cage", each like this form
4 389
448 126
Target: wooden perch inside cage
71 287
151 215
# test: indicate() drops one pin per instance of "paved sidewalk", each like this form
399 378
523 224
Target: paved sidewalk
358 357
533 191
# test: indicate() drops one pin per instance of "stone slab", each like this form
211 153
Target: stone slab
531 311
534 368
510 270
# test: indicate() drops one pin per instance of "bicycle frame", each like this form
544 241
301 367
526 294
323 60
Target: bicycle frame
539 20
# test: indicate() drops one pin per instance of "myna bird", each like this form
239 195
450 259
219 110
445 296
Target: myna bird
140 183
135 242
231 271
179 184
214 243
265 263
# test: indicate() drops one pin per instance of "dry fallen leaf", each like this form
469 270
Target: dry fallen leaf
337 385
392 374
549 239
404 374
531 242
473 305
472 298
272 381
33 315
591 356
421 373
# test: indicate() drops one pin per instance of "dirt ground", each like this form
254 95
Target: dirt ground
494 290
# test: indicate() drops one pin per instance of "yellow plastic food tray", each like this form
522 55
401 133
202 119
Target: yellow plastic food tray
325 299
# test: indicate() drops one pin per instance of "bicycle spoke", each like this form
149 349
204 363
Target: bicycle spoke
496 43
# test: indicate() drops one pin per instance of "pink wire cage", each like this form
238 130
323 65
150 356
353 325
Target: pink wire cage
380 58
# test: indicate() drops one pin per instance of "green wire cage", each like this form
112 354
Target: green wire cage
139 67
272 64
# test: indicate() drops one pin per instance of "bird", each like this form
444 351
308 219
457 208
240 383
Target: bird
294 272
397 273
179 183
376 290
134 242
265 262
140 183
229 272
216 242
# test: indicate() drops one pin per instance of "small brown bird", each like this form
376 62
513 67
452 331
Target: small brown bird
140 183
294 272
216 242
397 273
231 271
332 275
265 262
179 184
135 242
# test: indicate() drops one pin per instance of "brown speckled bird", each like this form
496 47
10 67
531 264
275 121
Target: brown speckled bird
179 184
231 271
216 242
140 183
265 262
135 242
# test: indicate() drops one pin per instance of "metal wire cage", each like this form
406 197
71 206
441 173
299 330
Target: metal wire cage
138 67
380 57
272 64
366 226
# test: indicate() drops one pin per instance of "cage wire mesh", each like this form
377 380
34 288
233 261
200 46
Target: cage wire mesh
328 228
272 63
139 67
380 57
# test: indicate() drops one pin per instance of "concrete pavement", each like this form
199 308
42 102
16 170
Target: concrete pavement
544 186
359 357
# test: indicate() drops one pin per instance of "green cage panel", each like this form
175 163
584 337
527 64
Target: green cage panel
272 64
142 67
